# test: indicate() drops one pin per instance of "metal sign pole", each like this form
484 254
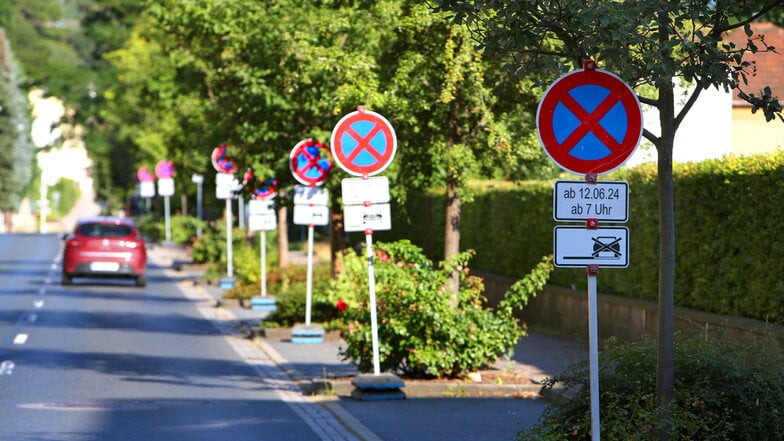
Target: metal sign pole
198 180
593 346
372 291
263 245
167 217
229 257
309 283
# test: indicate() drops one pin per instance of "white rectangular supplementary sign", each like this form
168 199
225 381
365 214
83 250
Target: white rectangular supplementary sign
261 206
262 222
357 191
375 217
310 195
579 247
311 215
606 201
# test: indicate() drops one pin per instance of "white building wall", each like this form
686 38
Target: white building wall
705 133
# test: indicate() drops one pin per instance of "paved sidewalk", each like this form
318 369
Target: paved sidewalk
438 416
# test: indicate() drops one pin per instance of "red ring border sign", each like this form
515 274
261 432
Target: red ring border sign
222 161
589 121
363 143
309 162
164 169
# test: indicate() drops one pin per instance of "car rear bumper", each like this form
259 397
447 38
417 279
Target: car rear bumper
87 269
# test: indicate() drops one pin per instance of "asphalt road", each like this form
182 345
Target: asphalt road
105 360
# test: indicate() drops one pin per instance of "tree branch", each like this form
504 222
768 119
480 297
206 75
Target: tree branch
689 103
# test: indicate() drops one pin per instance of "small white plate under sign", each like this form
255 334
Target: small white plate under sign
375 217
304 195
262 222
579 247
311 215
166 187
606 201
225 185
147 189
261 206
357 191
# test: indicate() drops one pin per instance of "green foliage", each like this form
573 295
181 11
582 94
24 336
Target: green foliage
425 330
211 246
16 154
63 196
724 390
183 228
730 254
288 285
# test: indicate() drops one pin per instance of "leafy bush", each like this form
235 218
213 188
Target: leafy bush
289 287
423 330
183 228
63 196
210 247
723 391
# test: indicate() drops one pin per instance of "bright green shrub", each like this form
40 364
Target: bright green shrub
289 287
730 240
63 196
423 330
183 228
723 391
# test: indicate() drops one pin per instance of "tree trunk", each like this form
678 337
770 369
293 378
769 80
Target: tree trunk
665 369
8 218
452 230
283 231
337 237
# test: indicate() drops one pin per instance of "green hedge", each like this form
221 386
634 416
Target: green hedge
730 238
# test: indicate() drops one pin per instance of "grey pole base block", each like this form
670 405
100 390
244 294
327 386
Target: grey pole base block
381 387
265 303
312 333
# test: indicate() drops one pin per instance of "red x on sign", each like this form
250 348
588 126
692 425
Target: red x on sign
310 163
589 121
363 143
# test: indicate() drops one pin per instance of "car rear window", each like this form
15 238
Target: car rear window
104 230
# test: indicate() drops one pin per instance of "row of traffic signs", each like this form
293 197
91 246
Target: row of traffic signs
363 143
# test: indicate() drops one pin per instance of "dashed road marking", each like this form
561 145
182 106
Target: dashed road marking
7 367
21 339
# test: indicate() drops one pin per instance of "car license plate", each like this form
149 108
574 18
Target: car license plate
105 266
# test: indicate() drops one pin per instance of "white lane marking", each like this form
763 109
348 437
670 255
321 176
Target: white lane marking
38 304
42 291
7 367
20 339
48 281
32 318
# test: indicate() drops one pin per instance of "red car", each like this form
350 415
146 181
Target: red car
105 247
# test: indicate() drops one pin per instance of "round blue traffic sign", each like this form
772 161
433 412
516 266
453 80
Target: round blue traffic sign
363 143
309 162
589 121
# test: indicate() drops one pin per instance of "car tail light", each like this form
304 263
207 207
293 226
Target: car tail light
72 243
131 244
